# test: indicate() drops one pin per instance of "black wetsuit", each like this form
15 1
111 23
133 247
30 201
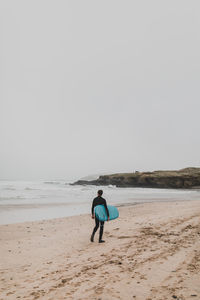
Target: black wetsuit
98 201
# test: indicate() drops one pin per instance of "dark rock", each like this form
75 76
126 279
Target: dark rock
185 178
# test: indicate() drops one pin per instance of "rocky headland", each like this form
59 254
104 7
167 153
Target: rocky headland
179 179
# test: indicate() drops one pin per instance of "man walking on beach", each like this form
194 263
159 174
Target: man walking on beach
98 201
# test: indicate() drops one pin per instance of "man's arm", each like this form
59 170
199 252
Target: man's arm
105 204
93 209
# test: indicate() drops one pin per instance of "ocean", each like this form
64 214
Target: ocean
22 201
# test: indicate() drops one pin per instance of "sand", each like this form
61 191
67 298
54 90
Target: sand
151 252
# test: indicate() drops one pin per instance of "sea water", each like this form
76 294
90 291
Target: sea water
22 201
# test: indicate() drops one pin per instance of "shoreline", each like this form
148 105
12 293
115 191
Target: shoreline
151 252
49 205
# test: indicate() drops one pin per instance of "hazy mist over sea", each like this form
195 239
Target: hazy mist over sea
94 88
98 87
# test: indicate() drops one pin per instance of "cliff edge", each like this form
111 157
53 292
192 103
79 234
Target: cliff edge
184 178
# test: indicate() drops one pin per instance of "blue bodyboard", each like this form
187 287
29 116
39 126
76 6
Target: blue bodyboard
101 214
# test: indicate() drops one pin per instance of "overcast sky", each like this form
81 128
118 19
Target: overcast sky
92 87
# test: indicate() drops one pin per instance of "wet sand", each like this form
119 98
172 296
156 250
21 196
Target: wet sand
151 252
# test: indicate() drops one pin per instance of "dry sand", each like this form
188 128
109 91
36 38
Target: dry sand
151 252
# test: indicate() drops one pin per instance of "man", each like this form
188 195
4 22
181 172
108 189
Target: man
98 201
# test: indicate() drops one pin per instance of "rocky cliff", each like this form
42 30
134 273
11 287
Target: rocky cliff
184 178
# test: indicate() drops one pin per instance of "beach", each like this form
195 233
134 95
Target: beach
152 251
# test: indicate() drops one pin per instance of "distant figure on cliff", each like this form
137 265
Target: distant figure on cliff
98 201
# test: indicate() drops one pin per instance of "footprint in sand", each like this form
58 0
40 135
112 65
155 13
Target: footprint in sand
124 237
10 293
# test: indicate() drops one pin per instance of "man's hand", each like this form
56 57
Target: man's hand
93 216
108 218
